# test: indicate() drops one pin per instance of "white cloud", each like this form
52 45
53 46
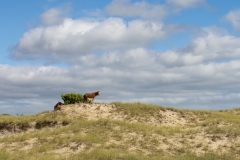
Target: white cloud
215 45
54 16
212 45
234 18
181 4
81 36
141 9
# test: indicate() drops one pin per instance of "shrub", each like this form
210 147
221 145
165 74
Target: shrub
89 101
71 98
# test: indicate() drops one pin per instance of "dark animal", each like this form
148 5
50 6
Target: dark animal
91 95
56 106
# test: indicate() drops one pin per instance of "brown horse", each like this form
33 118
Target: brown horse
91 95
56 106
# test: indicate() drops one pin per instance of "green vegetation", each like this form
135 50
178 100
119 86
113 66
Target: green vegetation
141 131
72 98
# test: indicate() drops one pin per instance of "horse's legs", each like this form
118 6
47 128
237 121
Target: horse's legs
85 98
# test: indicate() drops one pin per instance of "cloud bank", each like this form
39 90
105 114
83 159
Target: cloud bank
79 37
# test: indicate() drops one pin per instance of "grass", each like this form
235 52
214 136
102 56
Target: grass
137 108
105 138
43 116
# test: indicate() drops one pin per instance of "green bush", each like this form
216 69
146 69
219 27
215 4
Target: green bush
89 101
71 98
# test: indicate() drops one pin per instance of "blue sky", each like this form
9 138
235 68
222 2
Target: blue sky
181 53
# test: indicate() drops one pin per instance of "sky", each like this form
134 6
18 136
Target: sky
178 53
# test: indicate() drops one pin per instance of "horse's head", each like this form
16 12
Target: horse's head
97 93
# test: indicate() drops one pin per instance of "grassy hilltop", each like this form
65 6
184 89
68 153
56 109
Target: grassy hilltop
121 131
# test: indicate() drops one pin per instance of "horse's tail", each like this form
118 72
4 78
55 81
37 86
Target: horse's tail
85 98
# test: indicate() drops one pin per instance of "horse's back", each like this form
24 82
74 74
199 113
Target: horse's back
89 95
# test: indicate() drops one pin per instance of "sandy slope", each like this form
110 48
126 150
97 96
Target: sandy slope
103 110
